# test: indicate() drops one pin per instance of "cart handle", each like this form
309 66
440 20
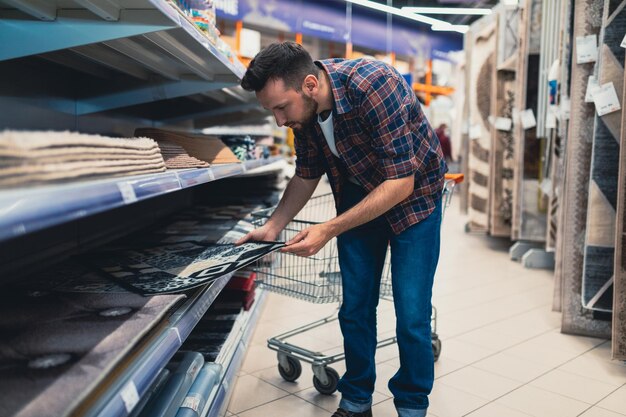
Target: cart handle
457 178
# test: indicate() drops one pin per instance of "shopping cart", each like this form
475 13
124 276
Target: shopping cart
317 279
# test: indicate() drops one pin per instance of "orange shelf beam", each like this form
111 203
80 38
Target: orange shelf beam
433 89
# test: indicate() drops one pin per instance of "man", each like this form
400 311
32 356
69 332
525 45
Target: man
360 123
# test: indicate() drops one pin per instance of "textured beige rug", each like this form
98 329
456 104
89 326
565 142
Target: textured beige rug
36 157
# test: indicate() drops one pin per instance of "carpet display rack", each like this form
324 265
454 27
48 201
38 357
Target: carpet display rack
556 118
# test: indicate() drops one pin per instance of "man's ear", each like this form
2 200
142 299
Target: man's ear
310 83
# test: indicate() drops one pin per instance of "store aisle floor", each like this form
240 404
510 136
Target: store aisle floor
503 354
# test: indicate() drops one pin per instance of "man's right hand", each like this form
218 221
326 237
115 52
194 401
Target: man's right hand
263 233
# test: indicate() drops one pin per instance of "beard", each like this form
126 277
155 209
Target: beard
310 112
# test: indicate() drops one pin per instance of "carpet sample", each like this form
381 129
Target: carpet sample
575 319
176 267
597 290
205 148
482 68
55 348
176 157
32 157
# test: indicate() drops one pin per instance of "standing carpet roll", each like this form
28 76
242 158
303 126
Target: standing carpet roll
576 320
597 289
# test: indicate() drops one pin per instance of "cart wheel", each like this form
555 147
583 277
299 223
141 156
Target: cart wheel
294 371
331 387
436 343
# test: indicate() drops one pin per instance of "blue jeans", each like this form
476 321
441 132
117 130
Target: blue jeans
414 256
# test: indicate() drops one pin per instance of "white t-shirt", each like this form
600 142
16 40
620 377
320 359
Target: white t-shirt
328 130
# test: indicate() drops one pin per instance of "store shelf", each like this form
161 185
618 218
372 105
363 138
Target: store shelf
65 24
232 357
136 380
31 209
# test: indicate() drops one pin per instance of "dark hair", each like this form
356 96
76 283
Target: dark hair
287 61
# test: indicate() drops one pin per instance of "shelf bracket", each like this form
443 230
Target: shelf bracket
41 9
106 9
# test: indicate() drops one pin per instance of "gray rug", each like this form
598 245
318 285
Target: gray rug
575 320
597 290
619 290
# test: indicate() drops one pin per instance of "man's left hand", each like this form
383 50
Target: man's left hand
309 241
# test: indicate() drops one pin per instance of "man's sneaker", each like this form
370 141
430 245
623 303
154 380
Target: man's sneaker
344 413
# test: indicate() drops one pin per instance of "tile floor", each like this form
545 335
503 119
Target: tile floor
503 354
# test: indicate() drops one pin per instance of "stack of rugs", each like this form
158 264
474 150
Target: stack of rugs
176 157
209 149
32 157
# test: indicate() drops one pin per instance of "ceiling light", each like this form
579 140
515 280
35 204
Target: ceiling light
397 12
447 10
448 27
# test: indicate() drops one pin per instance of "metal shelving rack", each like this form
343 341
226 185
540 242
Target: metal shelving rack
109 66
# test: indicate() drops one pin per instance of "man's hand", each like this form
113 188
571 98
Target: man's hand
309 241
263 233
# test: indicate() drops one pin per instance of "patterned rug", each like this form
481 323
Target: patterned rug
502 159
55 348
162 269
529 221
619 292
597 291
482 69
576 320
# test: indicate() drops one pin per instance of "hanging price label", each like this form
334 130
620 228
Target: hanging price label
551 117
586 49
606 99
528 119
592 87
565 108
503 123
623 44
475 132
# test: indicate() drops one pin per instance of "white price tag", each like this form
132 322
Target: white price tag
130 396
127 191
592 87
551 117
565 108
606 99
586 49
475 132
528 119
465 128
546 186
515 116
492 120
503 123
623 44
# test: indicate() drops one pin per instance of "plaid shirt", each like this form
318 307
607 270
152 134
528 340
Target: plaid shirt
380 134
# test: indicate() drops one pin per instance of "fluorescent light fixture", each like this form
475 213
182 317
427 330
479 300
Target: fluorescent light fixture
448 27
397 12
447 10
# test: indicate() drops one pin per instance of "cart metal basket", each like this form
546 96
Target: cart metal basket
317 279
